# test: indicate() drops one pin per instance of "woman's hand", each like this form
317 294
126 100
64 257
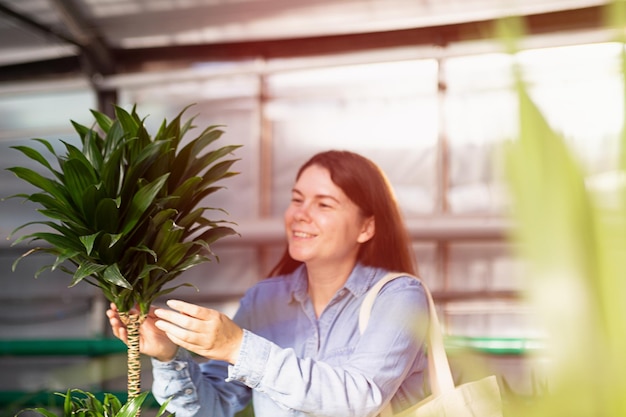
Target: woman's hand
206 332
152 341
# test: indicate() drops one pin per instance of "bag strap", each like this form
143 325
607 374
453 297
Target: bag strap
440 375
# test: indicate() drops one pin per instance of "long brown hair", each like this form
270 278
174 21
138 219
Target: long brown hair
366 185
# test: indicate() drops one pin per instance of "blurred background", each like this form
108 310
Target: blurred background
422 87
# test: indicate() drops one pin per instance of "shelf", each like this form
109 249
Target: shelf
98 347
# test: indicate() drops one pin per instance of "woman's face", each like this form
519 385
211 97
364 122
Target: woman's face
323 225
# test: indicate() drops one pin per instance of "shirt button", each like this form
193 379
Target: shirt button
188 391
178 366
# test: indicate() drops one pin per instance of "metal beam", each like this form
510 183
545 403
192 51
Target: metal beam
33 24
92 44
552 22
98 58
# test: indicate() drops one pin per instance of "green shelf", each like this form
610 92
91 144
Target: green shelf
61 347
107 346
495 346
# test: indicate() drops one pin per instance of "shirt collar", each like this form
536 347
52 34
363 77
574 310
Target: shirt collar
299 284
361 279
358 283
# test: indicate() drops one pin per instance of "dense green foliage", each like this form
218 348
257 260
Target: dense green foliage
124 210
78 403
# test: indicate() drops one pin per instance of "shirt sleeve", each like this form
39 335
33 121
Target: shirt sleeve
382 359
196 390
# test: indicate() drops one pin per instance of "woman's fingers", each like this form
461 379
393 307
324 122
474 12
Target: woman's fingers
188 309
201 330
117 327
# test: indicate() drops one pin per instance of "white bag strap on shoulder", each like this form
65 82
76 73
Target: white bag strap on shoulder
440 375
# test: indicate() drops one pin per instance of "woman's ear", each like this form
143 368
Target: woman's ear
368 230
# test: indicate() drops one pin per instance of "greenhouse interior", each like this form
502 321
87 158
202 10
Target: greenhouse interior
499 125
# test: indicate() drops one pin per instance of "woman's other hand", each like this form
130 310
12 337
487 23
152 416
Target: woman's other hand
201 330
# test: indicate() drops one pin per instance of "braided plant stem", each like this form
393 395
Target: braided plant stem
133 322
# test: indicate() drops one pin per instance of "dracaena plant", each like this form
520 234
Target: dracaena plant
125 213
78 403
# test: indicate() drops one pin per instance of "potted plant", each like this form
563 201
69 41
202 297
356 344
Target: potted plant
124 213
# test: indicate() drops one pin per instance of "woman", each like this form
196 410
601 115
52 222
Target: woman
294 346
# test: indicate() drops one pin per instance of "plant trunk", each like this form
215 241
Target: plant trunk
133 322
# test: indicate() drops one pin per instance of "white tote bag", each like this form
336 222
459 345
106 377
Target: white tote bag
473 399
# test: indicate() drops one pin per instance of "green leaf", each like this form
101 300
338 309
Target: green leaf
67 404
163 407
147 250
145 165
216 233
175 253
112 171
78 177
218 172
48 201
128 123
112 403
190 219
187 188
64 255
168 235
113 275
88 241
114 139
159 218
40 410
131 408
211 157
191 261
35 155
103 120
107 215
141 201
187 155
86 269
58 241
52 187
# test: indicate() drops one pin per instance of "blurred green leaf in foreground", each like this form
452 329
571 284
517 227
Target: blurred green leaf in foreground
575 251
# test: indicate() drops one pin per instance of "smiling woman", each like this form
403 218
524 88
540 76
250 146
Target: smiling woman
324 227
344 233
354 181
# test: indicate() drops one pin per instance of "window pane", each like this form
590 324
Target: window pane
387 112
580 91
485 267
45 114
481 113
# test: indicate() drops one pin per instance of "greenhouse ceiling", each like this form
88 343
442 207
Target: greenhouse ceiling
44 38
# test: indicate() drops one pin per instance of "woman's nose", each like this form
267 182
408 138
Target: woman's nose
301 212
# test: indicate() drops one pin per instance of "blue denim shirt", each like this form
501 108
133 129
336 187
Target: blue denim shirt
292 363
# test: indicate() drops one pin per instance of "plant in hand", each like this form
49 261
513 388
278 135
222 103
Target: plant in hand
125 213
